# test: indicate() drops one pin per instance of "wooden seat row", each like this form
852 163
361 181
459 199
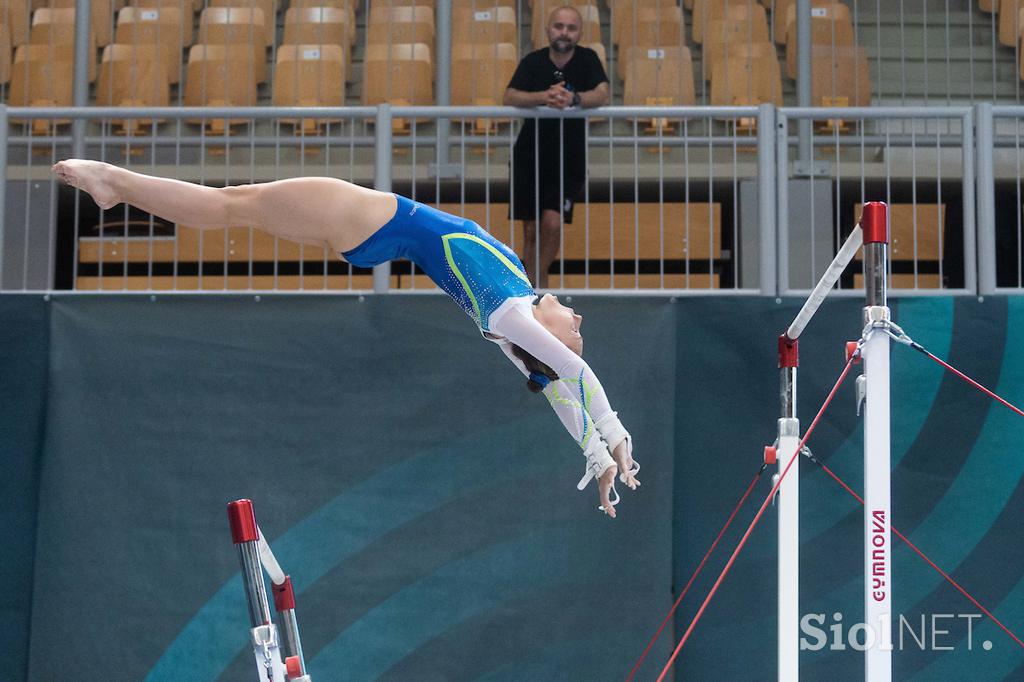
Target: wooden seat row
683 242
685 236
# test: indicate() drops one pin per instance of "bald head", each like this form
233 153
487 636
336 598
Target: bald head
565 25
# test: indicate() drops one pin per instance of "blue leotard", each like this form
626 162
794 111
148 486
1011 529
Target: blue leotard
475 269
489 282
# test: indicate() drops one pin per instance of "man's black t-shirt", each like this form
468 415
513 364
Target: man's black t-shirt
536 72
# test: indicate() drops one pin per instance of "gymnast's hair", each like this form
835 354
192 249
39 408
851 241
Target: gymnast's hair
540 374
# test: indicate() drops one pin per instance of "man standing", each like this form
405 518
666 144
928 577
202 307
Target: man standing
548 171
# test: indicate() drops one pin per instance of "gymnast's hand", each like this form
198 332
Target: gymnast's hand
604 487
623 457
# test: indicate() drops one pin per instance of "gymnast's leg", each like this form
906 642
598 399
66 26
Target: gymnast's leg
329 210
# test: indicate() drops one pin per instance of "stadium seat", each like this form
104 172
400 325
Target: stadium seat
484 26
5 54
658 76
840 74
56 27
660 26
989 6
480 74
15 15
401 74
41 77
319 26
163 27
102 13
748 78
267 7
220 76
400 25
706 10
1009 22
402 3
624 11
309 76
239 26
133 76
481 5
738 25
348 6
831 26
322 25
687 237
779 12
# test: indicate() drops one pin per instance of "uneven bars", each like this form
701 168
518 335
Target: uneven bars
825 284
268 559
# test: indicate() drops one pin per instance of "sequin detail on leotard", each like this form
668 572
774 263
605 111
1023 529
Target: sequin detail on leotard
475 269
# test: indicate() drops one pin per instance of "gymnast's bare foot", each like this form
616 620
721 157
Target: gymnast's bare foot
92 177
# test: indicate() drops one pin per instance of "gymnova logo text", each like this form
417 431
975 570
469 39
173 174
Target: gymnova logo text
925 632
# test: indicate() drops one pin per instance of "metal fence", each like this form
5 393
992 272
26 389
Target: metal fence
920 161
677 200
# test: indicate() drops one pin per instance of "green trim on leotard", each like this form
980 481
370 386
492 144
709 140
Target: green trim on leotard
458 273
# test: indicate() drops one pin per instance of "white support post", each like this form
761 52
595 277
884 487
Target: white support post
789 515
877 463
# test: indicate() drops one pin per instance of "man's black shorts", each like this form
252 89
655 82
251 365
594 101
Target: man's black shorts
554 192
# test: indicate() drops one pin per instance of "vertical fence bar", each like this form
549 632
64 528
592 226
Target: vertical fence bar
985 228
766 151
382 182
970 233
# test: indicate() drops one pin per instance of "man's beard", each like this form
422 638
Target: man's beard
562 45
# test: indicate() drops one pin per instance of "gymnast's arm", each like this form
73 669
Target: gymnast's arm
577 396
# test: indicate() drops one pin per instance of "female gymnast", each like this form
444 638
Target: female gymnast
366 227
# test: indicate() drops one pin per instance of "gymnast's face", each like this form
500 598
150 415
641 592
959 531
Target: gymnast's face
560 320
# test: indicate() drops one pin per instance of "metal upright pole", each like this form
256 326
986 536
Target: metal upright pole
789 515
80 86
985 227
245 535
877 462
803 76
443 59
766 218
382 182
284 603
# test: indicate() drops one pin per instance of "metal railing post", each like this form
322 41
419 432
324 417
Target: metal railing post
443 58
382 182
80 93
782 202
767 219
970 231
803 76
985 228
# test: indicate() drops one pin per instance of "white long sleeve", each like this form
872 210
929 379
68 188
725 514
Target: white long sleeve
577 396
